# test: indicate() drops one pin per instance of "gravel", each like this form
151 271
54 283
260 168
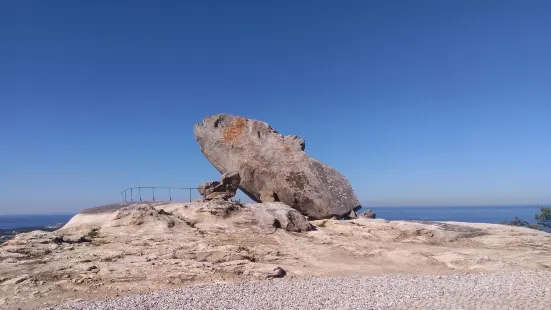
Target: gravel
504 290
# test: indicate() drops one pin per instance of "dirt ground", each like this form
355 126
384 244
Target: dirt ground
113 253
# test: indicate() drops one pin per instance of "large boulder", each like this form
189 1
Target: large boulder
274 167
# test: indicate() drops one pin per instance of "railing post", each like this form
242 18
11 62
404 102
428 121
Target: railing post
153 194
190 195
169 194
140 191
132 194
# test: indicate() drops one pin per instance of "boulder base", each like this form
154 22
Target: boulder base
224 190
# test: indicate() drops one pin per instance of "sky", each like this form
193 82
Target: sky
415 102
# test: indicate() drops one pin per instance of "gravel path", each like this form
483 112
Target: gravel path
512 290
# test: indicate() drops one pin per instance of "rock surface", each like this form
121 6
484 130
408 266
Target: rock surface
274 167
279 215
138 248
163 217
17 280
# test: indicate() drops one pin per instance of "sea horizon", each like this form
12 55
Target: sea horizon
458 206
366 206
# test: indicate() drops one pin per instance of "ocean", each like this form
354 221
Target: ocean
38 220
460 214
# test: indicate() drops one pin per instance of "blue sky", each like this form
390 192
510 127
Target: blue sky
415 102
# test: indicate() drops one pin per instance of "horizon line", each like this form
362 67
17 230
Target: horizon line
363 207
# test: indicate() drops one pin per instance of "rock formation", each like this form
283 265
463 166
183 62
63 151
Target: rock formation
164 217
224 190
368 214
274 167
279 215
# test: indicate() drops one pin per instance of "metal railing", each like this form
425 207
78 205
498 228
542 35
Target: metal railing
143 193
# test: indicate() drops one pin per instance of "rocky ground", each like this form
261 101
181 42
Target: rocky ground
141 248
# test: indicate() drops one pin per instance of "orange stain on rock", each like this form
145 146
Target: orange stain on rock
235 130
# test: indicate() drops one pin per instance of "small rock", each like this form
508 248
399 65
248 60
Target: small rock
207 188
224 190
264 271
351 215
368 214
92 268
279 215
